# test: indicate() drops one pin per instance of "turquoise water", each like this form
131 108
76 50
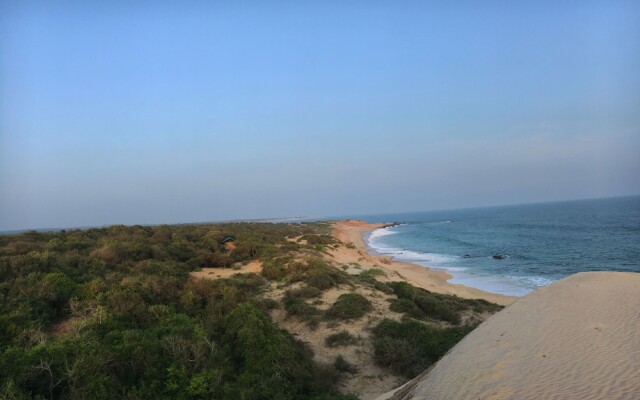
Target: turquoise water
540 243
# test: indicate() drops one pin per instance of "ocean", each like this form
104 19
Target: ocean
534 244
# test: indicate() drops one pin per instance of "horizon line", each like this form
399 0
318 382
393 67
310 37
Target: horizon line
304 218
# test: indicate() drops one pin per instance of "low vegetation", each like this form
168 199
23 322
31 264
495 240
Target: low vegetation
342 338
409 347
318 239
349 306
295 304
342 365
424 305
113 313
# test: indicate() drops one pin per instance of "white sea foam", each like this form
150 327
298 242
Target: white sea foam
503 284
434 258
380 232
535 281
510 285
496 284
379 247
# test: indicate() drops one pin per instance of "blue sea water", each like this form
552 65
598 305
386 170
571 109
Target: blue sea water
541 242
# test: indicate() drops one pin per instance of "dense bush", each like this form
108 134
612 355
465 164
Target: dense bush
343 365
368 278
422 304
349 306
320 275
342 338
111 313
304 292
409 347
322 240
273 270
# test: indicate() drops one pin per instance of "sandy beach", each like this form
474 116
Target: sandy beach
436 281
577 338
574 339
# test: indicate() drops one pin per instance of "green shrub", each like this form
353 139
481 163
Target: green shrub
269 304
296 306
147 330
423 304
349 306
162 268
409 347
343 365
305 292
273 271
304 311
373 272
342 338
322 276
319 241
406 306
269 363
383 287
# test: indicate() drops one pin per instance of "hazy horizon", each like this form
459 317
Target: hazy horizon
176 113
293 218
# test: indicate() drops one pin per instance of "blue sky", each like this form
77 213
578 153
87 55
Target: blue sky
161 112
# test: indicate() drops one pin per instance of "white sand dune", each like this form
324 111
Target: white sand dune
578 338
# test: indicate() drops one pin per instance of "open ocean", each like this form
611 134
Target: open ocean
540 242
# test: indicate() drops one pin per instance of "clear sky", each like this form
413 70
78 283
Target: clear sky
163 112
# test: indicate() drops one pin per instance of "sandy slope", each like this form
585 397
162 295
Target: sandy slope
417 275
578 338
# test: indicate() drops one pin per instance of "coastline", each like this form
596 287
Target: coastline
352 232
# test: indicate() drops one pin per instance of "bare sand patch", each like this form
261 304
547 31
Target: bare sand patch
219 273
578 338
297 239
370 380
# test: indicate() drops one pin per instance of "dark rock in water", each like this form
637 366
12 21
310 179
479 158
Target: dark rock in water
466 256
499 257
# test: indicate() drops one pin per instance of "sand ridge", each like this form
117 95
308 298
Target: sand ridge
578 338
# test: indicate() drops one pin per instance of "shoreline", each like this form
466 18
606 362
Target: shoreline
352 232
489 283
